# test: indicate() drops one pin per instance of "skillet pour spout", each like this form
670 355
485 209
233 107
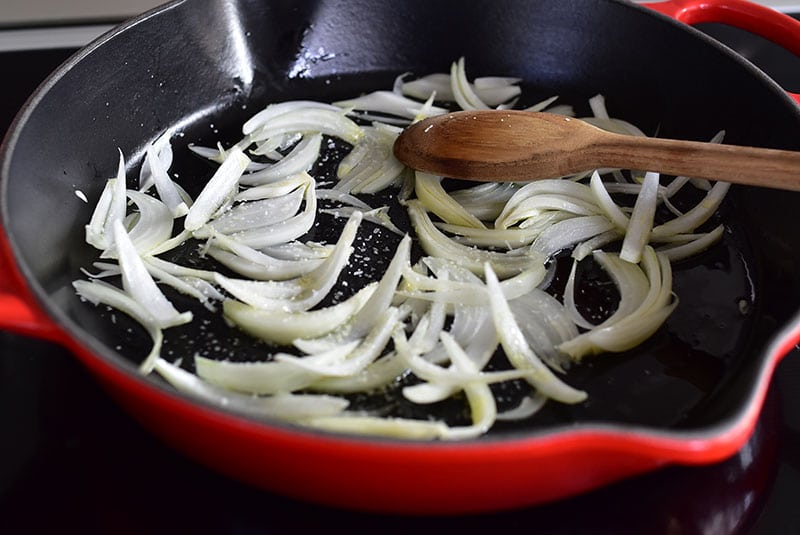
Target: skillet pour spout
692 395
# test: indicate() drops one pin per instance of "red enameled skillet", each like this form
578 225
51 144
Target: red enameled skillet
690 395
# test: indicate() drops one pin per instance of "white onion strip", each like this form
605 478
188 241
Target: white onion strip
166 188
140 285
154 224
300 159
519 352
254 264
294 407
463 92
263 117
284 328
98 292
634 328
638 232
435 199
310 120
219 189
286 230
254 214
388 102
265 377
697 215
304 292
436 243
358 359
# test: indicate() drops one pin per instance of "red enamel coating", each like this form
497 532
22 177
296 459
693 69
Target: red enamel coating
17 311
760 20
409 477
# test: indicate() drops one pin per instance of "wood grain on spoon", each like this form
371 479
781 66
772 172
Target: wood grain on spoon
511 145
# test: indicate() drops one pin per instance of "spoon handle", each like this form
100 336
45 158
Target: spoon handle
742 165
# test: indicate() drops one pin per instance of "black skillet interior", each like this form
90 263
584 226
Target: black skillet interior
208 65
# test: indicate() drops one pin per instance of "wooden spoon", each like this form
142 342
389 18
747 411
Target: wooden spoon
508 145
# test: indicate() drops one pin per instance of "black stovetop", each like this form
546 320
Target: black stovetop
72 461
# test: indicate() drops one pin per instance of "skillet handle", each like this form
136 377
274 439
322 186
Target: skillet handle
766 22
17 314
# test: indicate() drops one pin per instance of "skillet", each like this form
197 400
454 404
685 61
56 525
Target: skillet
691 395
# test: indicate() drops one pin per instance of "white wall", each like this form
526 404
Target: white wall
26 12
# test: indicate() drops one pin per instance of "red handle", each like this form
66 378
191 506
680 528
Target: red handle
772 25
17 313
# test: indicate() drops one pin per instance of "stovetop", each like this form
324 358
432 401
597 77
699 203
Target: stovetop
72 461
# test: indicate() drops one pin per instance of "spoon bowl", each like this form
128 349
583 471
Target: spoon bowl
513 145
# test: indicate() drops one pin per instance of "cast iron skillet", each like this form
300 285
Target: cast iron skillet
690 395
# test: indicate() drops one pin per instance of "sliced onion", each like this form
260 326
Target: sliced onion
300 159
272 147
359 358
697 215
163 151
491 90
254 264
485 201
304 292
607 205
283 327
167 190
545 323
371 166
140 285
692 247
435 199
365 319
154 224
463 92
254 214
529 406
629 331
631 282
274 189
296 250
641 223
359 424
468 293
342 197
541 195
481 401
388 102
285 406
519 352
379 216
109 210
311 120
260 119
376 375
565 234
269 377
436 243
283 231
98 292
221 187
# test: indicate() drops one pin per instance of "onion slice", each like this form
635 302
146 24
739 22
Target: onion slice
294 407
519 352
283 327
219 189
140 285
